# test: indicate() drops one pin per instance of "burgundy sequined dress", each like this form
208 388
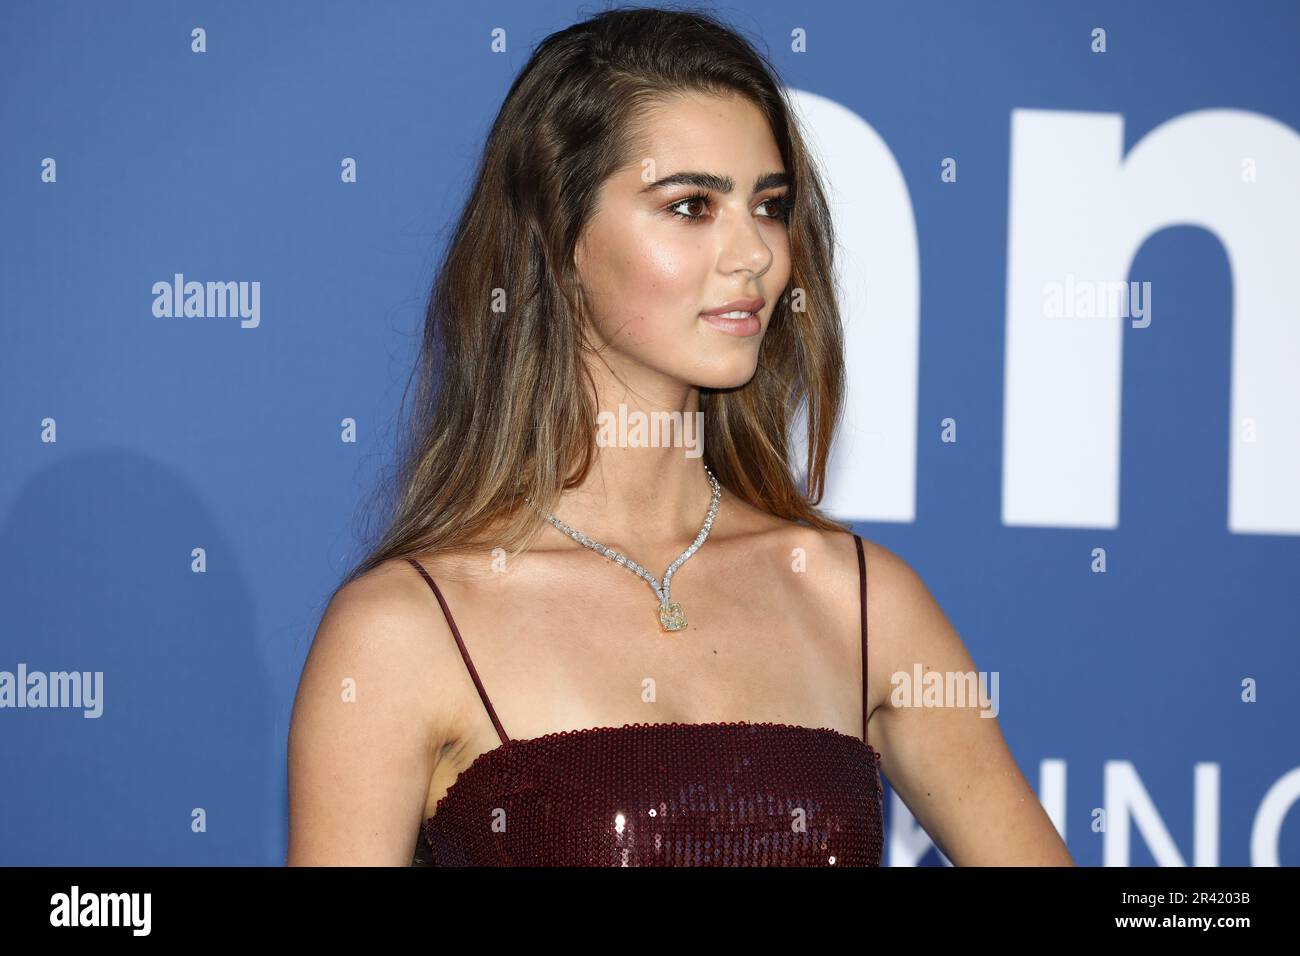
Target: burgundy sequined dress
663 794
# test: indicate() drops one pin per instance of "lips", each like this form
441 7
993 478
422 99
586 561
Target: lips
737 317
737 305
746 326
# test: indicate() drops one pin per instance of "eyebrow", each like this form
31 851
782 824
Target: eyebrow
718 184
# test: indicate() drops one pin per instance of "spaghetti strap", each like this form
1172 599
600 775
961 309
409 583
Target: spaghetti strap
862 588
464 653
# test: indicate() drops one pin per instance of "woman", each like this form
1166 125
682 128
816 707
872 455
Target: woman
647 234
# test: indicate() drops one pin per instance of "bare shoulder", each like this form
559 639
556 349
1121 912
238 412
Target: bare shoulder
945 757
905 622
896 595
831 559
375 703
380 623
902 615
825 562
389 625
899 603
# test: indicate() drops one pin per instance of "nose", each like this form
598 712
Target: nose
745 248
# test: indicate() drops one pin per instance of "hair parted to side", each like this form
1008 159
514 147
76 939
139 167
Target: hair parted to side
505 408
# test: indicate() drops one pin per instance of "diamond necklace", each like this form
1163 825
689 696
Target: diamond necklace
671 615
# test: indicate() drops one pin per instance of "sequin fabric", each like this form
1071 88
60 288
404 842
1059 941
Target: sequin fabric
663 794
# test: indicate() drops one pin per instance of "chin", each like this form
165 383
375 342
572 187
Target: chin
720 375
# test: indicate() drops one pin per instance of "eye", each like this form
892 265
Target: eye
698 197
780 207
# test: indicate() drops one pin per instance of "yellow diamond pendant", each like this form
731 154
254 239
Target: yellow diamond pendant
672 617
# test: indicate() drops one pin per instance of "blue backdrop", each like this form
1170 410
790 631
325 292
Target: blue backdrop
1108 511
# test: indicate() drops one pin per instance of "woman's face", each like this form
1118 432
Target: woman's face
653 260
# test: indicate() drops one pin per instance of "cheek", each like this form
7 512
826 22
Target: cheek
666 259
656 275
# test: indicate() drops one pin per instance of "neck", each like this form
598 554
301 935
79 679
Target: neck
644 501
647 490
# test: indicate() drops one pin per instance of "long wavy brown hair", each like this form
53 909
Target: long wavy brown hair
505 407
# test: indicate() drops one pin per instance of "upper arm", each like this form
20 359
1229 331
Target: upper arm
948 764
365 726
